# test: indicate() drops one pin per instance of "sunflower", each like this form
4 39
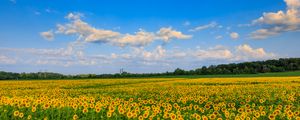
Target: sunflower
240 110
261 101
21 115
16 113
109 114
85 110
212 116
75 117
33 109
173 116
98 110
46 106
27 105
198 117
146 114
204 117
29 117
121 111
140 117
75 106
272 117
129 114
257 114
296 113
263 113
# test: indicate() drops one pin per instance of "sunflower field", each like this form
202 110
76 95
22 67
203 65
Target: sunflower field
257 98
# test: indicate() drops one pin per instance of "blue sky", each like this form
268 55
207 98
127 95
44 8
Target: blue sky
95 36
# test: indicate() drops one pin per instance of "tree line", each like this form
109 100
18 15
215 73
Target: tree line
279 65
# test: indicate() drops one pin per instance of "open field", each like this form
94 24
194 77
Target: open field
153 98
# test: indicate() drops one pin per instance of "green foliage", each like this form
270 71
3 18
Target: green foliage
233 69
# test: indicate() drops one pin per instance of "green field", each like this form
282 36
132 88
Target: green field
277 74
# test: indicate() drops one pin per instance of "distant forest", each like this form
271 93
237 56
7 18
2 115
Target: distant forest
280 65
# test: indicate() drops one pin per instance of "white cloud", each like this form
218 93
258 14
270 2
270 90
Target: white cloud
293 4
246 52
279 22
58 52
221 53
48 35
219 37
140 54
157 54
279 18
167 34
91 34
74 16
265 33
234 35
135 53
141 38
217 52
7 60
203 27
74 56
239 53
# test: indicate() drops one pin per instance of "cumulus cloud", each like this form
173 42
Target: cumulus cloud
136 53
91 34
217 52
167 34
278 22
48 35
141 38
84 30
246 52
203 27
157 54
240 53
293 3
234 35
265 33
72 56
